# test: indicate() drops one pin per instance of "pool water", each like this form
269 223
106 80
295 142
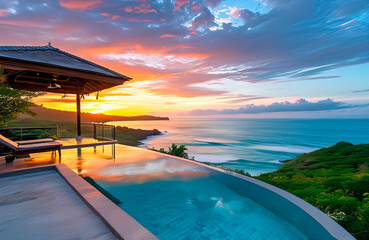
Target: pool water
175 199
181 199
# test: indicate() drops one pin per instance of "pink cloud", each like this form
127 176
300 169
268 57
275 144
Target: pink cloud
213 3
3 13
109 17
20 23
180 3
263 50
142 8
244 14
79 5
139 20
196 7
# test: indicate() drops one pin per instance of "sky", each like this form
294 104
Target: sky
208 58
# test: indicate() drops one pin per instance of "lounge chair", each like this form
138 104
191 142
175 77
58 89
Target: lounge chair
31 146
42 140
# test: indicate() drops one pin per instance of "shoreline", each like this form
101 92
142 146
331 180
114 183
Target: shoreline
151 137
132 136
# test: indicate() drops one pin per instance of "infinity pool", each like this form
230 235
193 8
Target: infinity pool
181 199
184 201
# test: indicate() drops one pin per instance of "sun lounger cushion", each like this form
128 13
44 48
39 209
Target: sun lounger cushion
8 143
43 140
38 146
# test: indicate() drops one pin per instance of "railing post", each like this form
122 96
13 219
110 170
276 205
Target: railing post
95 131
113 132
21 133
57 131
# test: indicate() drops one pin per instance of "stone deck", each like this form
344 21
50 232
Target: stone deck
41 205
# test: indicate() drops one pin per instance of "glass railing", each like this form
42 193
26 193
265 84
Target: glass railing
99 131
28 133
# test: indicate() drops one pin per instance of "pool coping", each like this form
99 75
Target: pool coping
332 227
120 223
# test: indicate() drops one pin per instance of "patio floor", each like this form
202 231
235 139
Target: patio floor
42 206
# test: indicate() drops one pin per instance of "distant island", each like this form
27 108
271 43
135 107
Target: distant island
333 179
66 121
53 114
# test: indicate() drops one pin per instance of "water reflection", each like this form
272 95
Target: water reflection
79 160
142 171
119 163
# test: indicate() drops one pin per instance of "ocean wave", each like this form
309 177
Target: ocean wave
284 148
212 158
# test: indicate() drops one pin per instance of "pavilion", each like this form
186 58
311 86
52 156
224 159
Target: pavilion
49 69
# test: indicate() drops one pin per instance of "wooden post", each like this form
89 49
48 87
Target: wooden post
79 135
114 132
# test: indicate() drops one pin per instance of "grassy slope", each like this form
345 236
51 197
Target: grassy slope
335 180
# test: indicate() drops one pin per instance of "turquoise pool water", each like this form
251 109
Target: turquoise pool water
181 199
175 199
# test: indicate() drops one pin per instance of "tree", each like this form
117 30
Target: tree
13 102
178 151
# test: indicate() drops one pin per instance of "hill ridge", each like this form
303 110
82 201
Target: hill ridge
54 114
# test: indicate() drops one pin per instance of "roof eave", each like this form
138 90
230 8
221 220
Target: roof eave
23 65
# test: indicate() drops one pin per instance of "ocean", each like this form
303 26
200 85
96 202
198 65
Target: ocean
254 145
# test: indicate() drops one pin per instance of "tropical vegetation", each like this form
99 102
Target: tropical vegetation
333 179
175 150
14 102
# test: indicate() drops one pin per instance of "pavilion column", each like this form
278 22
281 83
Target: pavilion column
79 135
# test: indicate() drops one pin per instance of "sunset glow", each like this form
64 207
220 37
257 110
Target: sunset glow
207 57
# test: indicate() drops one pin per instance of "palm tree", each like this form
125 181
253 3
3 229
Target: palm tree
178 151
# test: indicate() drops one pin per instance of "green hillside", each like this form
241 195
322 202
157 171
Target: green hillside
335 180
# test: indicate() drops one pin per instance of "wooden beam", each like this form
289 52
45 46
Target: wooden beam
47 80
43 89
43 86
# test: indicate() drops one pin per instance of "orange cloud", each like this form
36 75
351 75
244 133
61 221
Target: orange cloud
168 36
99 50
79 5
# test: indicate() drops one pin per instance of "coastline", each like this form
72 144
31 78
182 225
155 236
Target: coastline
151 137
132 136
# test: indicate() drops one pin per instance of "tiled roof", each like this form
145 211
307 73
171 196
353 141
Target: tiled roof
49 55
